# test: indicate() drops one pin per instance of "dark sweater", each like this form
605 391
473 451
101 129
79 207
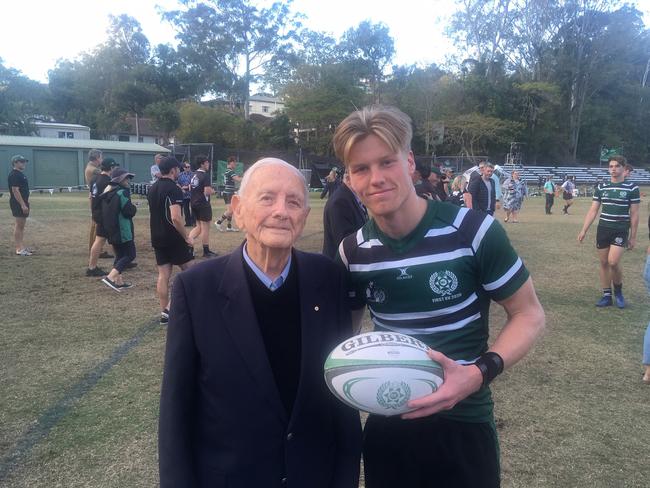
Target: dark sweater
278 316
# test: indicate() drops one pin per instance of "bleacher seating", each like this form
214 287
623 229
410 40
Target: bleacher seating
583 175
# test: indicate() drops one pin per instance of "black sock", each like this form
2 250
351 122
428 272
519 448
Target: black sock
229 219
618 288
607 292
206 249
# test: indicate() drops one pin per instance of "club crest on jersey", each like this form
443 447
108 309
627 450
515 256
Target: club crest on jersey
443 283
374 294
618 241
622 193
403 275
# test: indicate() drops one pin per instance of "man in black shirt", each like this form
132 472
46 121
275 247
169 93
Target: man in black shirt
200 202
168 238
19 202
97 185
230 177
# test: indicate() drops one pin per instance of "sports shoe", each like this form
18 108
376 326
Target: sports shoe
97 271
106 255
111 284
24 252
125 285
605 301
620 301
218 226
164 317
232 229
210 254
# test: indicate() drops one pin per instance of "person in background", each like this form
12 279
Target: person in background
458 192
97 186
93 166
332 182
549 193
19 202
421 179
185 182
343 214
646 339
436 180
117 212
567 194
172 246
483 190
616 231
515 191
155 171
200 200
230 179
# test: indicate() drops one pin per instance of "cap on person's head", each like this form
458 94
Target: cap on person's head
119 175
17 158
436 170
108 164
168 163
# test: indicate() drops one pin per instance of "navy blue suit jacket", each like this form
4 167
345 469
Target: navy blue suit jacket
222 422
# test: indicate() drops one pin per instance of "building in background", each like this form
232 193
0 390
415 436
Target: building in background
59 130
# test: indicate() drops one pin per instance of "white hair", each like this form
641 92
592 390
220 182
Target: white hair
267 162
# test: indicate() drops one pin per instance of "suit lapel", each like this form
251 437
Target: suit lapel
241 323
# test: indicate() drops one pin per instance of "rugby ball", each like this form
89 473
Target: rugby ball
380 372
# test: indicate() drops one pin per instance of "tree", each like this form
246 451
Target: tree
475 133
219 38
164 116
370 48
21 99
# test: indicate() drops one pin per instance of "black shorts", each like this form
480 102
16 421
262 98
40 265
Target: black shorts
176 255
202 213
430 452
100 231
606 237
567 195
16 211
227 198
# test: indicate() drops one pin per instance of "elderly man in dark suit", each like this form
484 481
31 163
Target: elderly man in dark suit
243 400
343 214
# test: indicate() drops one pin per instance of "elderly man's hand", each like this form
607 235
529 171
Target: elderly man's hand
460 382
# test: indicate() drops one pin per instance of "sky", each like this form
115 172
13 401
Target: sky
36 33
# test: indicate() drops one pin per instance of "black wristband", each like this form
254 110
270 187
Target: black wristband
491 365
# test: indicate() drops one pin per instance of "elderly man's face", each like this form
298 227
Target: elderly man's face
273 210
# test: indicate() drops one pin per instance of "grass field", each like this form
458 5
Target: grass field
80 365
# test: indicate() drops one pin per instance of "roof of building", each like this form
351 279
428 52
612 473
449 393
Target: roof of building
264 98
61 125
80 144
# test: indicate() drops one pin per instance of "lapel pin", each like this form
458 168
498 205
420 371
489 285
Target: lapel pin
316 308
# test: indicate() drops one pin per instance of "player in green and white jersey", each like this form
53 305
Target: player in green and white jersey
617 227
431 269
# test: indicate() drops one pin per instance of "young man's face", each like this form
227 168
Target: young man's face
380 177
615 169
20 165
231 164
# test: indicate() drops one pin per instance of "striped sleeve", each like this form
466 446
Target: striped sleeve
635 195
598 194
501 270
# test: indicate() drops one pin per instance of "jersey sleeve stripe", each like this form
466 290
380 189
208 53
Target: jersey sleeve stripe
344 258
428 314
441 232
480 233
430 330
370 243
460 217
506 277
428 259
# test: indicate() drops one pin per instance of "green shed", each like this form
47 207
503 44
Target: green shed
56 163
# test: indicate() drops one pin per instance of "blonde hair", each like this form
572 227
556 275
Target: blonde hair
458 183
388 123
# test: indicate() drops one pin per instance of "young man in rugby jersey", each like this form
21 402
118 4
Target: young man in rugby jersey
617 227
430 269
230 177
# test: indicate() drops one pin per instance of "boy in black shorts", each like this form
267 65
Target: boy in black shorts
617 227
19 202
200 202
168 238
230 177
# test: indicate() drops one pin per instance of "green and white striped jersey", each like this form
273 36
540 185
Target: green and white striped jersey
616 199
436 284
